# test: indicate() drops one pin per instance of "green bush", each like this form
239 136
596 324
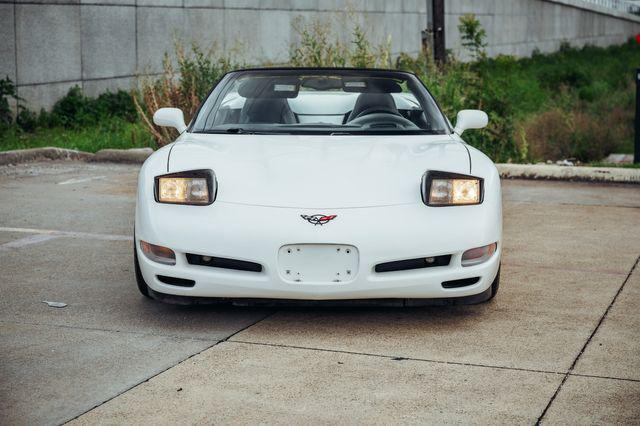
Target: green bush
77 110
73 110
28 120
7 92
589 89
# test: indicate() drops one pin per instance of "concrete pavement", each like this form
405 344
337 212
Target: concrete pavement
559 344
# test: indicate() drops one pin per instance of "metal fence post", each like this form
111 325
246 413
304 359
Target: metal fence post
439 46
636 155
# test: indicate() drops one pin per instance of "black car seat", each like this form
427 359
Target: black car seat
267 110
368 103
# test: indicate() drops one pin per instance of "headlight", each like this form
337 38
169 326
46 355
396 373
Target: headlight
196 187
450 189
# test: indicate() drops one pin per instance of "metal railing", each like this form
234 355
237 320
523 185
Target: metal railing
621 5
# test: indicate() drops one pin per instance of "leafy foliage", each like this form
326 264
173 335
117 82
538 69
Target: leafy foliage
317 48
589 89
7 91
473 36
75 110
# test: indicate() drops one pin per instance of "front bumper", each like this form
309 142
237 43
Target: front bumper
380 234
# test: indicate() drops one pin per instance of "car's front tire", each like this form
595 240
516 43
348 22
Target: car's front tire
494 286
483 297
142 284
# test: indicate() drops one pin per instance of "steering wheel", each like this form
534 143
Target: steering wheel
376 110
380 119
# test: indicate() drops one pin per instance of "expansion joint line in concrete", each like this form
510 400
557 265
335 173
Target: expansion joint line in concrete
584 347
172 366
434 361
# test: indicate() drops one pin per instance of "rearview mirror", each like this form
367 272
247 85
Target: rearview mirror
470 119
170 117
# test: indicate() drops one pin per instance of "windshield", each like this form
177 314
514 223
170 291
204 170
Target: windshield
320 101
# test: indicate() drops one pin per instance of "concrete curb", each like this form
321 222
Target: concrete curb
133 155
38 154
569 173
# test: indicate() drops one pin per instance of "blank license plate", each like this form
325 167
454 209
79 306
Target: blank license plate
318 263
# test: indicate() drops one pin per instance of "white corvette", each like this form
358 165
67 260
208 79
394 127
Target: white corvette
319 184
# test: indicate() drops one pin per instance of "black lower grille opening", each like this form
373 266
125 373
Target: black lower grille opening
181 282
224 263
460 283
419 263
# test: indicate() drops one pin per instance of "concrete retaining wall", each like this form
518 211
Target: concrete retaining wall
49 46
518 27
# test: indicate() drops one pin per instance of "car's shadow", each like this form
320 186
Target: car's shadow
364 309
314 319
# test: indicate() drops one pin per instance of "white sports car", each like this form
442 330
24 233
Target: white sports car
319 184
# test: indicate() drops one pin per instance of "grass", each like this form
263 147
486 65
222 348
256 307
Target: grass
114 133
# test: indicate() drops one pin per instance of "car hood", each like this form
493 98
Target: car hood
318 171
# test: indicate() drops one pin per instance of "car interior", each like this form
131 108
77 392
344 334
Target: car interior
321 100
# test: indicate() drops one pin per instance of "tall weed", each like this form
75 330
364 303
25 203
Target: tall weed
185 87
318 48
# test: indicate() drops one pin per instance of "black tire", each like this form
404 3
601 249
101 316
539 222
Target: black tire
142 285
495 286
483 297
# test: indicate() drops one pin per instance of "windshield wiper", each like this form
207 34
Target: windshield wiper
236 131
239 130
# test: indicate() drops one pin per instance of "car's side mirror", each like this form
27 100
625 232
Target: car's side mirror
170 117
470 119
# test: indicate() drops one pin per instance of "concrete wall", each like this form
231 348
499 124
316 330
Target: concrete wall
518 27
49 46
